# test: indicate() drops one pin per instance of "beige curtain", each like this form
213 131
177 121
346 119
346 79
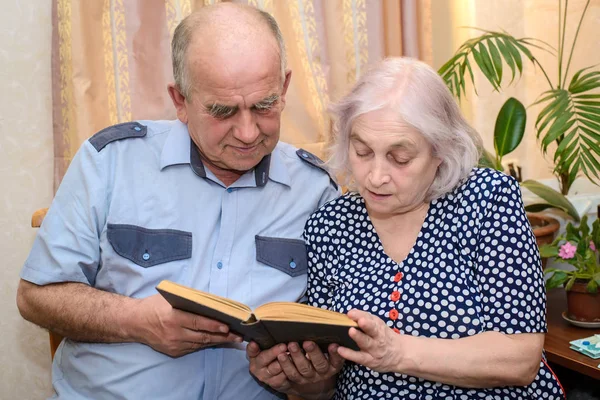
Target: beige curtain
111 59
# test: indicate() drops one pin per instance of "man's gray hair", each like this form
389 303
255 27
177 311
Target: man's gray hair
421 99
183 36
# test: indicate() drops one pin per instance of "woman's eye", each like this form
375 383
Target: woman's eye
401 162
362 154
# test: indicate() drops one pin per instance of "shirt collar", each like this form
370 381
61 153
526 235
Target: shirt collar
180 149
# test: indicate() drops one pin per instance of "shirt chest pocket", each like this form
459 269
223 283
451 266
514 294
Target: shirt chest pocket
285 255
149 247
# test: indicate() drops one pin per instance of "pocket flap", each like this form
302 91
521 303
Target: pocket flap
286 255
149 247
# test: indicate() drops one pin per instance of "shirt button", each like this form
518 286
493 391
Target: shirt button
393 315
146 256
292 264
395 295
137 128
219 265
229 190
398 277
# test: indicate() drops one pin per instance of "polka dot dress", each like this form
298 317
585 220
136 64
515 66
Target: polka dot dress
474 267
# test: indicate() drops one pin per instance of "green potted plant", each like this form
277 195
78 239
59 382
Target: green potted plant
569 118
578 247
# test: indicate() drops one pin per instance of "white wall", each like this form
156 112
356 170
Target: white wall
25 184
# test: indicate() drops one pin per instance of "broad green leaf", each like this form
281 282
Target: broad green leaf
548 251
552 197
538 207
570 283
592 286
510 126
556 280
597 278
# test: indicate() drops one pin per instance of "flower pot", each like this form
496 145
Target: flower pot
582 305
544 229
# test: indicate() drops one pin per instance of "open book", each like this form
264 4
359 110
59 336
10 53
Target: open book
267 325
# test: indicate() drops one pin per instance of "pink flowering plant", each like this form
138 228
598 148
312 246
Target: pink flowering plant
578 247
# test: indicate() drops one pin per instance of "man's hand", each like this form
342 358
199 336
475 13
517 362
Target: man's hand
296 372
175 332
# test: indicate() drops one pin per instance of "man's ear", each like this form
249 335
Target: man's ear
179 102
286 84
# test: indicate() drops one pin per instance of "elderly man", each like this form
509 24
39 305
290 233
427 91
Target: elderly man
211 200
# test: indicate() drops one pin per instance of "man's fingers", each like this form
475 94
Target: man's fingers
316 356
303 364
335 359
289 368
252 350
207 338
198 323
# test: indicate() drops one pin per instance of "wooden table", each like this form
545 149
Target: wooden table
560 333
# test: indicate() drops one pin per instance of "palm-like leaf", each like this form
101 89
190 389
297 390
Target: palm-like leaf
571 118
490 52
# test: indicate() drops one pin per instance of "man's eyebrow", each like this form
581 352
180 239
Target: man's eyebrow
220 109
267 101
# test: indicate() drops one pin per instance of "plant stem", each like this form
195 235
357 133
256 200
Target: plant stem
575 40
564 183
544 72
559 46
562 46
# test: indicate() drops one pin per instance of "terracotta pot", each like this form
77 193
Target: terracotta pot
544 229
582 305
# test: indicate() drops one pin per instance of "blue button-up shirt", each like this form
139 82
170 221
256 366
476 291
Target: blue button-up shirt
132 212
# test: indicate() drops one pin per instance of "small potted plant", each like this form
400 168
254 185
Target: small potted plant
578 247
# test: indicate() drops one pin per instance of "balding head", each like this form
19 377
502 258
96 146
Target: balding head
224 27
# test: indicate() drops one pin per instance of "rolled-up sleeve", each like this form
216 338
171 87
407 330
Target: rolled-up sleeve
67 246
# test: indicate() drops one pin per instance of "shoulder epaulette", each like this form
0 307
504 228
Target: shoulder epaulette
117 132
315 161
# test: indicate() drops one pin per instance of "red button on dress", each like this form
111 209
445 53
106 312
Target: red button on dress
395 295
398 277
393 315
396 330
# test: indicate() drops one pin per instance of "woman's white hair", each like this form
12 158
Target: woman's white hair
422 100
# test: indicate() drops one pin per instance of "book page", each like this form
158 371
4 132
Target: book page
287 311
222 304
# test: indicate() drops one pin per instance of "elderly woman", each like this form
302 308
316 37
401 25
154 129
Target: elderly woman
433 258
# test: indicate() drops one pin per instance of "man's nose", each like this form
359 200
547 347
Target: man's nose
246 130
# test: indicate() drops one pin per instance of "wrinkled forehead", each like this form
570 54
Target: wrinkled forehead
222 74
386 128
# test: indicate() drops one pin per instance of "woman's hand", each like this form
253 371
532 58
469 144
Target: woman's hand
380 346
297 372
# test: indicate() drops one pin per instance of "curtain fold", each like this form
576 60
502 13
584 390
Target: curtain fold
111 60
